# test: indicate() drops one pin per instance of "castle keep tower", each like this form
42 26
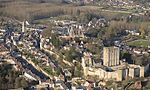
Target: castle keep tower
111 56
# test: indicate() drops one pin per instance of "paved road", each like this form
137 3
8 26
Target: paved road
115 11
128 85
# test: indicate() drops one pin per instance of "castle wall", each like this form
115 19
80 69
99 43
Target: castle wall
141 71
116 75
131 72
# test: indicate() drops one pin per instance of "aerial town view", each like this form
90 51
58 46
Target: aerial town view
74 44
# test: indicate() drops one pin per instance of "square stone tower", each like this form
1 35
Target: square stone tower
111 56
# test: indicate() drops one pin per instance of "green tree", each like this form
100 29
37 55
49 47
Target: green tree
72 54
17 82
9 78
24 83
68 56
55 41
142 30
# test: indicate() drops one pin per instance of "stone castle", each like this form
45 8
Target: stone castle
111 67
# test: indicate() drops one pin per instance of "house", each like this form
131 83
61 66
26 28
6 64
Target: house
64 87
133 32
78 87
41 86
58 82
97 23
137 51
76 31
102 83
89 85
3 50
140 51
138 85
67 73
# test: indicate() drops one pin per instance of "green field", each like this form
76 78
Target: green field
143 43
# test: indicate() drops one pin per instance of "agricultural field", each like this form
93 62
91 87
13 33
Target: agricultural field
140 43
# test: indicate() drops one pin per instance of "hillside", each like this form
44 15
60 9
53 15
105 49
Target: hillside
39 9
40 1
29 9
33 9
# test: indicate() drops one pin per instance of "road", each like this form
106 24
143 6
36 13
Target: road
128 85
115 11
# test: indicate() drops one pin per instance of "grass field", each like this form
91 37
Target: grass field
141 42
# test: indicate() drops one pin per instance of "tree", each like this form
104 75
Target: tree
78 70
72 54
9 78
77 39
92 32
78 12
58 71
47 32
55 41
24 83
68 56
149 35
17 82
142 30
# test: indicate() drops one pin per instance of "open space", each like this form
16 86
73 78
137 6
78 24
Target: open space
140 43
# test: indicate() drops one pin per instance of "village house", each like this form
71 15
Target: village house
94 23
133 32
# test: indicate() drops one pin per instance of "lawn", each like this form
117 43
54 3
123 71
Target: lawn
141 42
